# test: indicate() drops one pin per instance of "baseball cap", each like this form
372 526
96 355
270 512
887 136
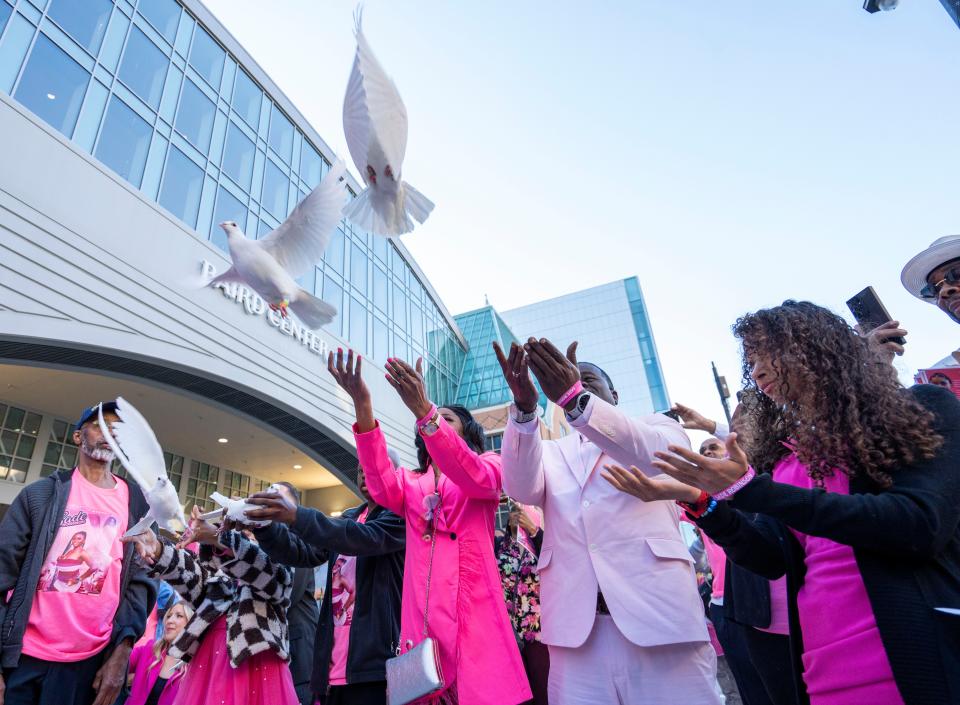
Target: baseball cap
91 411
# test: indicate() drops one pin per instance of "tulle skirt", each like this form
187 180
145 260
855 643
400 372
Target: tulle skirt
263 679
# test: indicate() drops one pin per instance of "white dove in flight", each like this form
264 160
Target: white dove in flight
270 265
375 125
135 445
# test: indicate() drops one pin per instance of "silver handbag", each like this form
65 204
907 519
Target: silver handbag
416 673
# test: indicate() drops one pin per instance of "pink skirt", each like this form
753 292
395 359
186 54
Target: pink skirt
263 679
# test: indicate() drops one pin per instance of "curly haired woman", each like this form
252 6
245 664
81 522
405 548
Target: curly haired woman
861 510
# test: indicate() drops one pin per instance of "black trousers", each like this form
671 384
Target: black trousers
37 682
760 661
357 694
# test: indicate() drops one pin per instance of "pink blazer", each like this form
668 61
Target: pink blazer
144 677
467 617
596 537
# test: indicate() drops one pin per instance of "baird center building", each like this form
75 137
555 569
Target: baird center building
129 129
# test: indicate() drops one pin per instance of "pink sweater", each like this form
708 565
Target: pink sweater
478 652
844 660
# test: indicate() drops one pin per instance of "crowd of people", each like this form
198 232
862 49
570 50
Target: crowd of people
829 511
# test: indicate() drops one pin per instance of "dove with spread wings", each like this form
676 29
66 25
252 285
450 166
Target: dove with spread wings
375 125
270 265
135 445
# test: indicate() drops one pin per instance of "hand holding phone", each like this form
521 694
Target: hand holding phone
870 314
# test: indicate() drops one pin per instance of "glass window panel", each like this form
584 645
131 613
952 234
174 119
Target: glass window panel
281 134
32 424
247 97
26 446
182 186
206 56
4 15
332 293
238 157
144 68
333 255
311 165
381 248
380 283
399 307
15 419
358 269
164 15
228 208
275 187
380 351
124 141
358 325
195 116
52 85
84 20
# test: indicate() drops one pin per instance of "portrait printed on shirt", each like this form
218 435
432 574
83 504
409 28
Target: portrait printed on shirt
80 555
342 590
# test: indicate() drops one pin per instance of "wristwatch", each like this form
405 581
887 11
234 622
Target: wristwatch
520 416
579 407
432 425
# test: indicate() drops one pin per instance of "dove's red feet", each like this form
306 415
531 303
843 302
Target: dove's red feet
282 307
371 174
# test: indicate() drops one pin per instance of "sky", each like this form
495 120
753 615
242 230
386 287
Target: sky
731 155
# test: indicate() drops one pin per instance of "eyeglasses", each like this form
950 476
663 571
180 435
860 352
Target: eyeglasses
932 291
431 504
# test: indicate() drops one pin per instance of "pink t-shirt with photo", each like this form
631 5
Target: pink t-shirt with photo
79 589
343 590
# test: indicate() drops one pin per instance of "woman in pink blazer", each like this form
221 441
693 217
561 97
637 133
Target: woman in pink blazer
452 497
155 676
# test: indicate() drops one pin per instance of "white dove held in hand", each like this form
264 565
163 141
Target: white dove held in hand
375 125
236 508
271 265
135 445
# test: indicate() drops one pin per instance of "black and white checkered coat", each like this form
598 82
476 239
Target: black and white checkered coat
250 589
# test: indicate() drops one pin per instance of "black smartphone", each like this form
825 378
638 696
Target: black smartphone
672 414
870 312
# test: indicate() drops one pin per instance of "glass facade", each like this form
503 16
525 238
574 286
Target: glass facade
613 330
19 430
153 94
481 383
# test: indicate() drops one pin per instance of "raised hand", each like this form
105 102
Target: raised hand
649 489
200 530
693 420
347 375
272 506
514 368
409 385
713 475
555 371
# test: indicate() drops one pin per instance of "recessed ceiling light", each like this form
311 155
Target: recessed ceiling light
336 514
51 96
297 467
222 440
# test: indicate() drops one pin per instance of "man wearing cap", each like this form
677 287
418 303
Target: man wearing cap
934 276
75 599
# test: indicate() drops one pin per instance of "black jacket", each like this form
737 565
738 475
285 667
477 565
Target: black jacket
302 617
378 544
26 534
906 542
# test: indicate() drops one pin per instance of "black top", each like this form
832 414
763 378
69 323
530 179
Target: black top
156 691
906 542
378 544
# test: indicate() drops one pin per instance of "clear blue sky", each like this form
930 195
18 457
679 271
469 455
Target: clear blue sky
730 154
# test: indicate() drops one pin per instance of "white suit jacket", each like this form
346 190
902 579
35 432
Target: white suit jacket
596 537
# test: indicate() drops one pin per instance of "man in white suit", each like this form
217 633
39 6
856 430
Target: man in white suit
619 604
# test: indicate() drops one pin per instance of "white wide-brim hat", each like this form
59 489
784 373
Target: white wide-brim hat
915 273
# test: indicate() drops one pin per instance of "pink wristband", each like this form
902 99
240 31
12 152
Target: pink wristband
737 486
570 393
423 422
